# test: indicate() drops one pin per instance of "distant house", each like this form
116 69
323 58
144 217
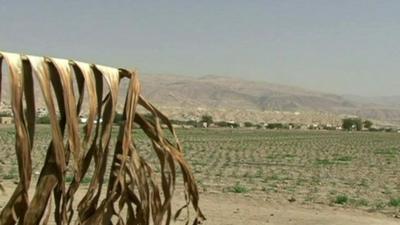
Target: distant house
41 112
303 127
98 121
314 126
83 119
233 124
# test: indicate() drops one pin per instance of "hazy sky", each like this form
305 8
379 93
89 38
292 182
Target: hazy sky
345 47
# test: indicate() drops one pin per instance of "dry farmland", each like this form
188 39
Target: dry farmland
354 169
358 170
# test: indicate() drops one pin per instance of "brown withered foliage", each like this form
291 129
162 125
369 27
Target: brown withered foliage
134 192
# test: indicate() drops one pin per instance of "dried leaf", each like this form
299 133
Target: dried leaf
133 194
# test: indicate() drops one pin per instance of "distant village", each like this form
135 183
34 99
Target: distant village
350 123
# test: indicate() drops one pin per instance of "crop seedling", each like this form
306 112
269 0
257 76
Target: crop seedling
341 199
238 188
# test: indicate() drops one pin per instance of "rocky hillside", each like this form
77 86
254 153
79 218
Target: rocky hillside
225 98
236 99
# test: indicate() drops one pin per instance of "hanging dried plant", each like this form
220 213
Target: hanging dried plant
133 195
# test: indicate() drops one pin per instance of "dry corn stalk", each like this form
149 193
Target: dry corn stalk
133 195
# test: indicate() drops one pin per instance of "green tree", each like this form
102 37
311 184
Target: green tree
207 119
275 126
222 124
352 123
248 124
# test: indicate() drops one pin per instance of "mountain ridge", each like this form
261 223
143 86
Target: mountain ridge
227 98
219 92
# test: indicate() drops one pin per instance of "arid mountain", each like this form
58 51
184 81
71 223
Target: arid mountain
225 98
254 100
224 92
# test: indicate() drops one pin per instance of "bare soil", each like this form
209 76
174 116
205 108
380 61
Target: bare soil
234 209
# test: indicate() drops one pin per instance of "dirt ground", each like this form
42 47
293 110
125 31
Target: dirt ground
232 209
235 209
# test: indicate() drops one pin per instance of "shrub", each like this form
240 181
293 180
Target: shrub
395 202
222 124
43 120
367 124
233 125
238 188
275 126
341 199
